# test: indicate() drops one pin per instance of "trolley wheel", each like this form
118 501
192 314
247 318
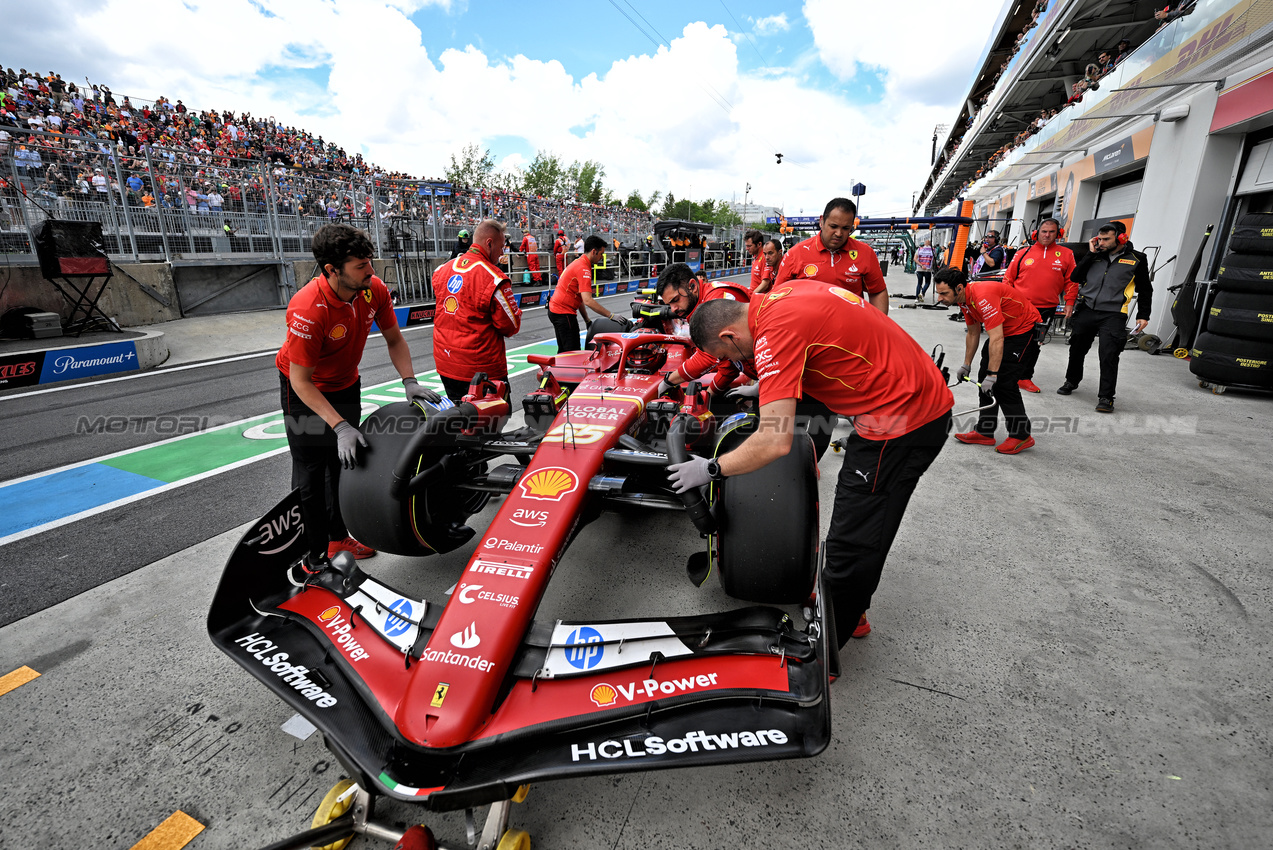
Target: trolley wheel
1204 384
514 839
1218 389
1181 353
331 809
523 791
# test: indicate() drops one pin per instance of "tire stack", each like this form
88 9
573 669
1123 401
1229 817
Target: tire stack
1236 345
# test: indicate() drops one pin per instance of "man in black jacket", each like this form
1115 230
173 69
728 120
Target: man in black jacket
1109 276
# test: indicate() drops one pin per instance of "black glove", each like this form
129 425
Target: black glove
623 320
347 439
417 393
665 386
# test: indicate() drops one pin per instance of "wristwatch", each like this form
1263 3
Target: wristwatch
713 469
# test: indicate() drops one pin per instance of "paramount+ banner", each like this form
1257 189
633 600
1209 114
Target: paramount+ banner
67 364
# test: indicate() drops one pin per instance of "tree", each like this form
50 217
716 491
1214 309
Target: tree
545 175
635 201
653 201
473 168
669 207
583 181
513 180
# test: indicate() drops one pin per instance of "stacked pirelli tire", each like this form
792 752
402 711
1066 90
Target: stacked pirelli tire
1236 345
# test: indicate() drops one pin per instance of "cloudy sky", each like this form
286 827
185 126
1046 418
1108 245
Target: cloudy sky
689 97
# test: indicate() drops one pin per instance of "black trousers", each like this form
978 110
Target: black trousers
871 495
1006 394
315 464
1032 354
566 327
1086 325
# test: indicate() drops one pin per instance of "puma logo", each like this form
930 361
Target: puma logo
863 474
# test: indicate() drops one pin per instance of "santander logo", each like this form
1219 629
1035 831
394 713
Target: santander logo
466 639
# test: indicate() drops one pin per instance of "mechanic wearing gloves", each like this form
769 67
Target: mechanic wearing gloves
574 294
1009 318
1042 272
833 256
823 340
475 310
327 325
1108 277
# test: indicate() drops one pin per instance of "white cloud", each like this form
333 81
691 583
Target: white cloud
926 56
644 118
773 24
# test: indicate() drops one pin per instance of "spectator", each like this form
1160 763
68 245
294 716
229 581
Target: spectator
1166 14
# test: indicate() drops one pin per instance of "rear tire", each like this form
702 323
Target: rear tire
767 520
1245 273
1225 360
1245 315
1253 234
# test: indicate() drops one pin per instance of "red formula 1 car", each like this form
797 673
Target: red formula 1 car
457 702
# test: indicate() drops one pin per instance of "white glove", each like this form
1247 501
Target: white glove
417 393
750 392
347 440
692 473
988 383
962 373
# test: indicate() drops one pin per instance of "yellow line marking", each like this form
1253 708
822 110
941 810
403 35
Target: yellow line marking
16 679
173 834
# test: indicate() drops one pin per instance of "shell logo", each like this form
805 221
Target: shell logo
328 615
810 270
602 695
451 304
845 294
549 484
338 332
1030 261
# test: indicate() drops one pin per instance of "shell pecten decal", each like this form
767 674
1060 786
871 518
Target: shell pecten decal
549 484
602 695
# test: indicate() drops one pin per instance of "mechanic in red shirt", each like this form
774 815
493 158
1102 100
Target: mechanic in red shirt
821 340
683 292
475 311
1041 272
559 251
327 325
753 241
574 294
1009 319
834 256
530 247
772 251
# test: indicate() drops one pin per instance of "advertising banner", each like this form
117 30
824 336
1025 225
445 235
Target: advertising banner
67 364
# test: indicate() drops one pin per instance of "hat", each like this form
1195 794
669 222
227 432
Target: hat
463 233
561 233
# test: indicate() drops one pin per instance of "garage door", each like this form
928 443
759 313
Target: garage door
1118 198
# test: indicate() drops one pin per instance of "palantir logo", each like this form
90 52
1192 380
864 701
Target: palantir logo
466 639
398 625
584 648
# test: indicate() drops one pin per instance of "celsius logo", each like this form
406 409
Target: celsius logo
470 593
466 639
467 591
395 625
584 648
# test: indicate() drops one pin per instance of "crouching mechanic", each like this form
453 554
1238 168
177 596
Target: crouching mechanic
573 296
475 311
327 325
683 292
821 340
1010 321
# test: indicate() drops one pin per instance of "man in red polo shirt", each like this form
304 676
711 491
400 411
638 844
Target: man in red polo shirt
476 310
1041 273
1009 319
683 292
327 325
559 251
753 241
772 252
834 256
820 340
573 296
530 247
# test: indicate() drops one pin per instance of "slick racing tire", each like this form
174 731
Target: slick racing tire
767 539
421 523
1253 234
1245 273
1245 315
1225 360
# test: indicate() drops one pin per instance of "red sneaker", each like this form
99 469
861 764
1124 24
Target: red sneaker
1012 445
973 438
863 629
349 544
418 837
1029 386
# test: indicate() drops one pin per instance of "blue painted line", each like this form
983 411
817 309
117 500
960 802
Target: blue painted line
65 493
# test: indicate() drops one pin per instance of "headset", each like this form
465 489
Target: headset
1060 231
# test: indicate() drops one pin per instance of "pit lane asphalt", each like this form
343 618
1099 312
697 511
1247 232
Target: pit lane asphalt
49 431
1072 648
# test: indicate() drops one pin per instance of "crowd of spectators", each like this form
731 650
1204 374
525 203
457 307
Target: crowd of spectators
217 161
1101 65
